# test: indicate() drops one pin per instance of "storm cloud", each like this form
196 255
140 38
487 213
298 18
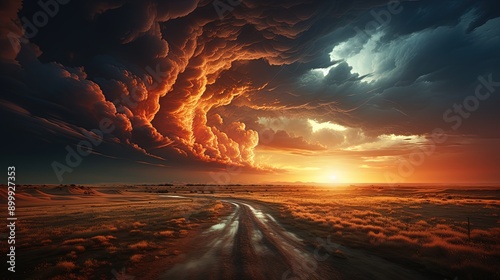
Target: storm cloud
183 84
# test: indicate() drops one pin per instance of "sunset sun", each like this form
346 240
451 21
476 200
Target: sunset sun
333 178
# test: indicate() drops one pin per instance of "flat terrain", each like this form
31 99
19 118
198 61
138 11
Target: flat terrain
256 232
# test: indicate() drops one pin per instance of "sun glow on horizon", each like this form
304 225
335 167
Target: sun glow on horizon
329 177
333 178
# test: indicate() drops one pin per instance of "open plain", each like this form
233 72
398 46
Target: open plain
257 232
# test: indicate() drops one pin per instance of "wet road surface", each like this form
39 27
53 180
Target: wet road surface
251 244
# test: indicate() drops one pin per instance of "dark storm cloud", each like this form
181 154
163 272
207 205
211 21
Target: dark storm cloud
182 84
8 13
425 61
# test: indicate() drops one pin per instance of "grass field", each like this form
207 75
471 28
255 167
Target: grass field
102 232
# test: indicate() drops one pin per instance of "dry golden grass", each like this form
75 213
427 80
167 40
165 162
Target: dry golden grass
421 225
70 235
87 233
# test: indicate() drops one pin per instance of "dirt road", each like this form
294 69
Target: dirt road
251 244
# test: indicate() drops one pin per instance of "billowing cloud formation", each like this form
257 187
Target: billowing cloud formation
186 83
401 77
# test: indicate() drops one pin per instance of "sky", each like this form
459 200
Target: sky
229 91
